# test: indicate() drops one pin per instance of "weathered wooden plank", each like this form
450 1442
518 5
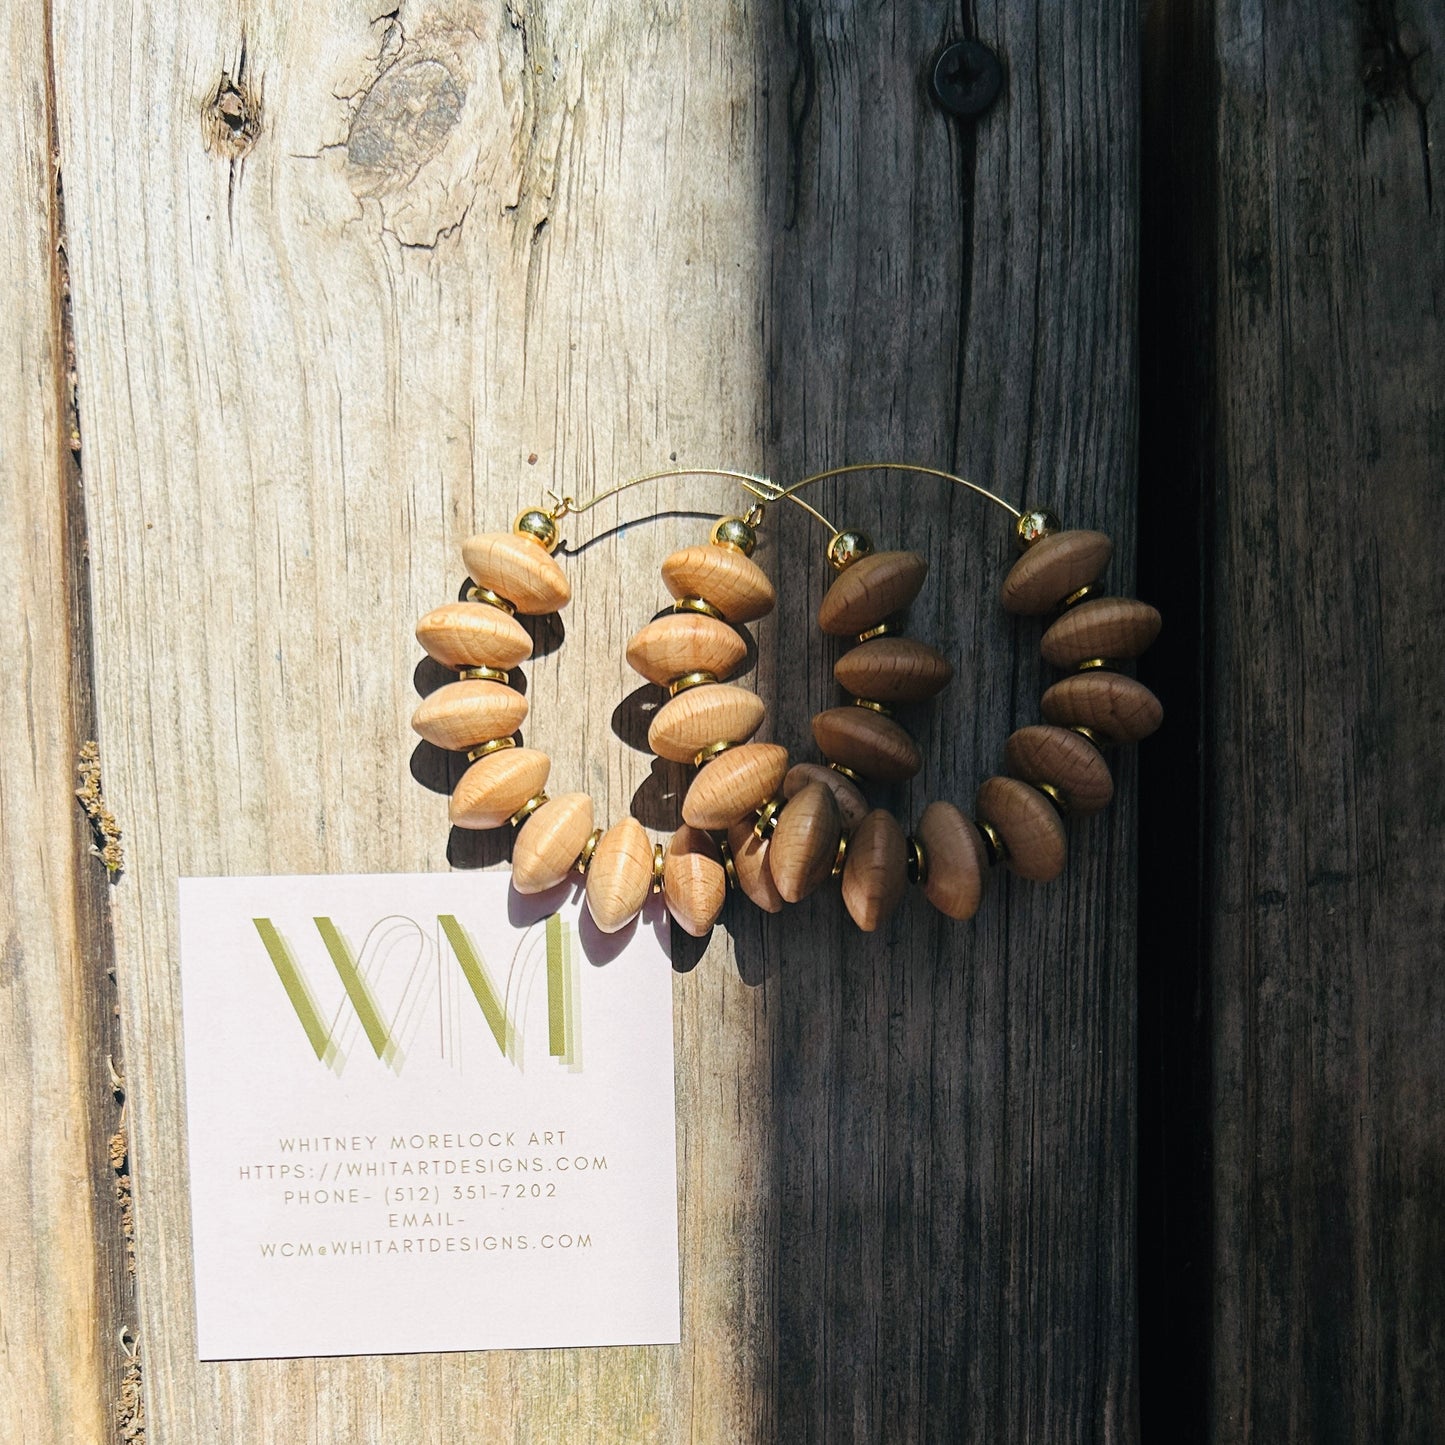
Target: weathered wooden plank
955 1154
1319 383
67 1290
318 346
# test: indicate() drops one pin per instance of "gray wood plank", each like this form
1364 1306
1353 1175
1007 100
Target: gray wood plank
1316 431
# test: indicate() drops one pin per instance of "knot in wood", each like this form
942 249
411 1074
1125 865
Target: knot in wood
231 118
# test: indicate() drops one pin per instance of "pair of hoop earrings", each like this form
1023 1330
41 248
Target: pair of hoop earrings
749 819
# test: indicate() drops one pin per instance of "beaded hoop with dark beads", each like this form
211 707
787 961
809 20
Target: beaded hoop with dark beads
826 826
775 832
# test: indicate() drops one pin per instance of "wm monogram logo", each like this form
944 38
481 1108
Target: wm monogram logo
362 975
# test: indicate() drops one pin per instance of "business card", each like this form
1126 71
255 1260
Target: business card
425 1113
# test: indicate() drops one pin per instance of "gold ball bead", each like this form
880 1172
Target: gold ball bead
734 532
539 526
1033 527
847 547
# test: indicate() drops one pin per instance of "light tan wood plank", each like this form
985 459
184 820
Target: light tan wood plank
311 374
60 1230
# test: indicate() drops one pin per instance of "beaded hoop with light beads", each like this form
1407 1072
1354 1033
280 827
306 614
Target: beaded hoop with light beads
690 649
826 827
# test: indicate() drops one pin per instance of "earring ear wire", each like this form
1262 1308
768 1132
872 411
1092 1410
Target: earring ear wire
537 519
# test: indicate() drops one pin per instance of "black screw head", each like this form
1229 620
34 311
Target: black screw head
966 78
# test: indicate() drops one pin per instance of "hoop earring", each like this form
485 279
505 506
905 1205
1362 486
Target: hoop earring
690 649
1053 769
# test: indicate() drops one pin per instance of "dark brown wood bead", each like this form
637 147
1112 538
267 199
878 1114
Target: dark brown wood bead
1030 826
852 805
872 745
1116 707
893 669
875 872
1108 627
954 858
1053 569
872 588
804 844
1062 758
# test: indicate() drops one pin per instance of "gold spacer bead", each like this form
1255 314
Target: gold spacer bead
847 547
539 527
917 861
767 818
888 628
880 707
689 679
1089 735
1034 526
729 867
658 860
584 858
528 808
992 843
711 751
1095 664
485 674
735 533
1055 797
697 604
496 745
847 772
492 599
840 855
1088 590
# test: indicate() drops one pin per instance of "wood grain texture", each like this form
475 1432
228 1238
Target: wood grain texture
968 294
68 1294
318 349
1314 287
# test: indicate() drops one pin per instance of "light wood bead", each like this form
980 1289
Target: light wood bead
1030 826
1109 627
954 857
1071 763
750 859
712 713
852 805
683 642
518 569
734 584
735 784
463 714
872 588
1053 569
549 841
893 669
619 877
694 884
875 872
872 745
804 845
1116 707
472 634
495 786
